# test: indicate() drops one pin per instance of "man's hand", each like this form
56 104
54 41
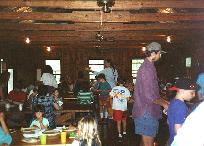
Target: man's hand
162 102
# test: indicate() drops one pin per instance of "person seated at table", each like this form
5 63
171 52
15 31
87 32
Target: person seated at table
50 105
5 137
63 86
4 77
81 84
70 84
87 133
39 122
17 95
57 97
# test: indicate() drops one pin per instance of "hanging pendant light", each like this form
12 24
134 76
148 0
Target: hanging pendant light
106 5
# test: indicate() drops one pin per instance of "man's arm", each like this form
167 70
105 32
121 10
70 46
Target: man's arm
162 102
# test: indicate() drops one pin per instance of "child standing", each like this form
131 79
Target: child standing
120 96
178 110
103 90
40 122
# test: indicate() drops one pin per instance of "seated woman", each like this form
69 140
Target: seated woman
48 103
5 137
57 97
87 133
40 122
63 86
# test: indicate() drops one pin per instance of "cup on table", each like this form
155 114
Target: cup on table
43 139
20 107
63 137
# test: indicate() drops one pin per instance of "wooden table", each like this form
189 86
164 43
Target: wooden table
51 140
67 112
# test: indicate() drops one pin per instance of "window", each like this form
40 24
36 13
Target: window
136 63
3 66
55 64
188 62
10 81
95 65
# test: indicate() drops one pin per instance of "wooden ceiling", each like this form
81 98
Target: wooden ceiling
76 23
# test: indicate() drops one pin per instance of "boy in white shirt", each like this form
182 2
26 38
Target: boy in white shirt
120 96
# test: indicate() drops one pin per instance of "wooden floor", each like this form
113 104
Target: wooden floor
108 134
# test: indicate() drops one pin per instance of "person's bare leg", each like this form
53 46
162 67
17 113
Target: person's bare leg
147 140
101 111
119 127
124 125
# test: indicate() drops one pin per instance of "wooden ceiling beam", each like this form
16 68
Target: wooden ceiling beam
89 34
84 16
92 37
79 40
119 5
97 26
59 40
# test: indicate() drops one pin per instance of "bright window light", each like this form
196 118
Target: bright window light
136 63
55 64
95 65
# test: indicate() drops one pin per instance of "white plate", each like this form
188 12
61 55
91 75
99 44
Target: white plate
30 140
29 135
29 129
51 132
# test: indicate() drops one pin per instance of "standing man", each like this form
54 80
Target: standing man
146 110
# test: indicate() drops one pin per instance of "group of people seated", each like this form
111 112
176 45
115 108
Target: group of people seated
44 99
87 131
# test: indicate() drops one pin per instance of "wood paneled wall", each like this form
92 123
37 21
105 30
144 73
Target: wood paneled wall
76 60
26 60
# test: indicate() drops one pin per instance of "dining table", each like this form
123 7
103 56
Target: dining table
68 111
17 137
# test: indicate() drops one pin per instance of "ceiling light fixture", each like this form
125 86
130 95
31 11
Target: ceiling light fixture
168 39
106 5
99 37
144 49
166 10
27 40
48 49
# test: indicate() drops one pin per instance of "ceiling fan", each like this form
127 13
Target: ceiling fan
106 5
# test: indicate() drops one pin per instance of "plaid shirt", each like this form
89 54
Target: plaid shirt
48 103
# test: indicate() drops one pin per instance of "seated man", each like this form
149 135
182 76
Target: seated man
5 137
17 95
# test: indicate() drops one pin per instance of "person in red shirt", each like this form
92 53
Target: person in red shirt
17 95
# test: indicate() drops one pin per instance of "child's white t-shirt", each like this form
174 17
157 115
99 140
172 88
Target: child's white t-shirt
45 122
120 96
